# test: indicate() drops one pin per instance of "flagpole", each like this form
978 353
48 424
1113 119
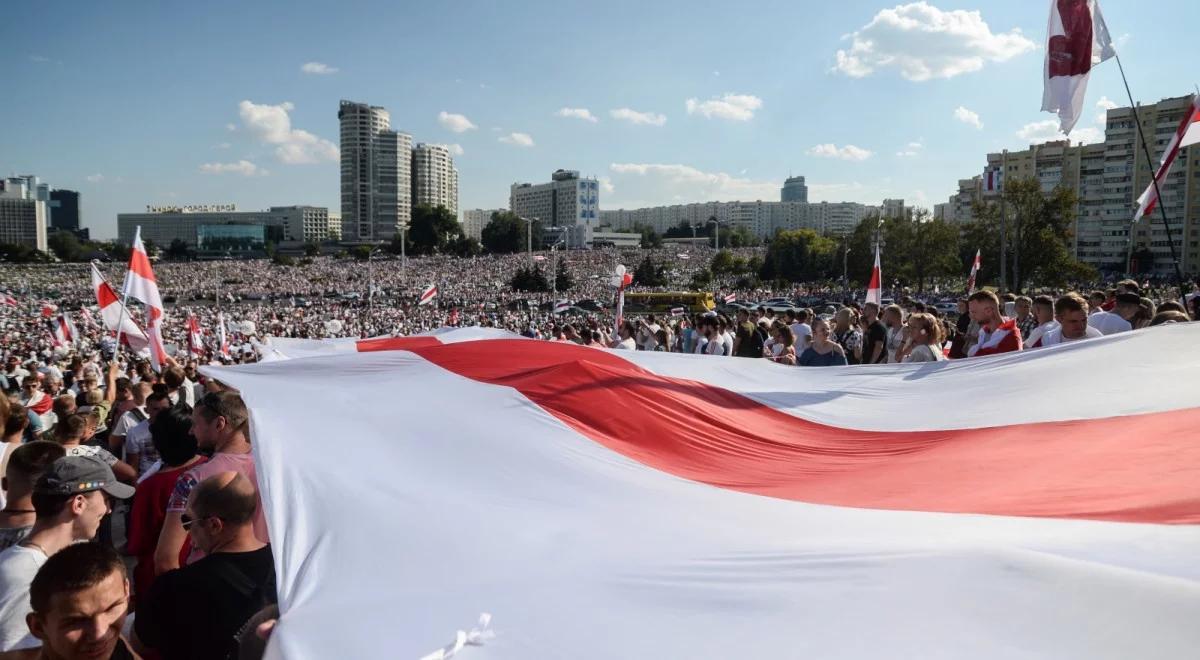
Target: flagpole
1153 180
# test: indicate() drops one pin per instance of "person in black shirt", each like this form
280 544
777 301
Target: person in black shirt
197 611
874 349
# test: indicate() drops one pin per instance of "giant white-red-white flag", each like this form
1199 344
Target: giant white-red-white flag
630 504
1186 135
1077 39
115 316
874 291
974 272
140 284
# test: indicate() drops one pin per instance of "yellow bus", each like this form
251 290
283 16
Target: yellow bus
665 301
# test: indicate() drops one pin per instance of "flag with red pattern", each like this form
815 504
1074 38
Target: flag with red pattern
974 273
1077 40
1187 134
874 292
140 284
116 317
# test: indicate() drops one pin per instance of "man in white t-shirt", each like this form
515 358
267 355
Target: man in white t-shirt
801 330
1071 311
70 499
139 446
1110 323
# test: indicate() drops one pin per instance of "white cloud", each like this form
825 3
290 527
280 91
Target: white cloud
455 123
518 139
848 152
925 42
716 74
94 178
635 117
242 167
577 113
1047 131
231 127
318 69
912 150
606 185
735 107
968 117
272 125
686 182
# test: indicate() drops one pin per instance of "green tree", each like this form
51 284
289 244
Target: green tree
21 254
66 246
360 252
682 230
563 279
432 230
801 255
178 251
722 262
701 280
312 249
1038 233
530 279
649 274
915 249
650 238
506 233
465 247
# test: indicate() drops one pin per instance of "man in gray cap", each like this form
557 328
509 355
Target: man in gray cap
69 500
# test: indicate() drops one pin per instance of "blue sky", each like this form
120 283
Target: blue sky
137 103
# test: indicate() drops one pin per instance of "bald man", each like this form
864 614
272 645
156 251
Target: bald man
196 611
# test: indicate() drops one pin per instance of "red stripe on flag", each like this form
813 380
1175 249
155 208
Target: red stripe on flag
140 264
1136 469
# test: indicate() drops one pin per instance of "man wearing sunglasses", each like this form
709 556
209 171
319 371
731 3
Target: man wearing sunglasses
196 611
69 500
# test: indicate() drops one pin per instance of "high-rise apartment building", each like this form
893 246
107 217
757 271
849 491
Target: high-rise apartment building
568 202
376 165
760 218
1108 177
474 220
23 215
794 190
434 179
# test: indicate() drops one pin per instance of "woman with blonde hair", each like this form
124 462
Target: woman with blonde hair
926 334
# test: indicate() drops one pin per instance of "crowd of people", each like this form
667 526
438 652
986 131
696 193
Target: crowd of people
130 519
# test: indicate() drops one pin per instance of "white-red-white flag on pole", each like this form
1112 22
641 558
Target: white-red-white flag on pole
1077 40
63 331
141 285
116 318
874 293
428 295
993 179
195 337
730 299
974 272
221 337
1187 134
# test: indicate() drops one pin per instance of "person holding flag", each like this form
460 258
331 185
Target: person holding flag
115 316
428 295
874 293
222 339
195 337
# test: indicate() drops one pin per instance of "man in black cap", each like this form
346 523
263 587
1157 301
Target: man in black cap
1110 323
69 500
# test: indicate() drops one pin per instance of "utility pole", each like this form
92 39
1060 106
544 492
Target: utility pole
1003 225
845 270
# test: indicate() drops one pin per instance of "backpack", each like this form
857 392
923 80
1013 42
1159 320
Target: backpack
753 346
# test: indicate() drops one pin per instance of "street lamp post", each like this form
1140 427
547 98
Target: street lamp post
371 285
845 269
554 268
716 232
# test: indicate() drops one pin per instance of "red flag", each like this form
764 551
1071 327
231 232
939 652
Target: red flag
974 272
873 291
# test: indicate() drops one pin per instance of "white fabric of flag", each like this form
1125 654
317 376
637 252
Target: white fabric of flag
622 504
1077 39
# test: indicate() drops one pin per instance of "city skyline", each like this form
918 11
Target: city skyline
134 106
